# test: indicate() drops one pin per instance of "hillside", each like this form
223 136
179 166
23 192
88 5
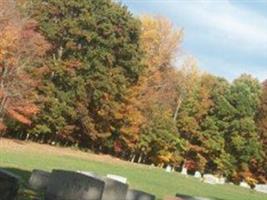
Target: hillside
21 157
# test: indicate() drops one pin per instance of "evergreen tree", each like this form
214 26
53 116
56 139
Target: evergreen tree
95 59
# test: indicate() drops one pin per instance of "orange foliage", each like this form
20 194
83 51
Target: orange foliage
20 46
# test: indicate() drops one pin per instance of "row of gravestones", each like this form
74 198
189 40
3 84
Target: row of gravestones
211 179
70 185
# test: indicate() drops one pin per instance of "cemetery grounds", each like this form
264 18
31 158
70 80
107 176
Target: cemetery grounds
21 157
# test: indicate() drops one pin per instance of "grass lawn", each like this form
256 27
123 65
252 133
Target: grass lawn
21 158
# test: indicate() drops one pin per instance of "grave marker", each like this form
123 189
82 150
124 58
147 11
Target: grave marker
39 180
139 195
9 185
68 185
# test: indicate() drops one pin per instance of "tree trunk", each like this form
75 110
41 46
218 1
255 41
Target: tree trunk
140 158
179 102
133 158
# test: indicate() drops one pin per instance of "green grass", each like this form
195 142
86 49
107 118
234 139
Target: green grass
152 180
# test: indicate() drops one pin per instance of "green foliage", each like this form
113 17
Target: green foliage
95 59
159 140
108 84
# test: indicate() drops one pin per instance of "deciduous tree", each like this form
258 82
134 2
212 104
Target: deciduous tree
20 48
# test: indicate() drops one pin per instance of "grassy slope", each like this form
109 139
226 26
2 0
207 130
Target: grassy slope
22 158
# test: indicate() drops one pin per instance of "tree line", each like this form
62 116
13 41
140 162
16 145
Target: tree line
90 74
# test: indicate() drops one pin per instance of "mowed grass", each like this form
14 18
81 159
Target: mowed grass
21 158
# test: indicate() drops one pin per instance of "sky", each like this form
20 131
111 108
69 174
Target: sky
227 37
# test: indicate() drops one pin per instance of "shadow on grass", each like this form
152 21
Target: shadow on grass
25 193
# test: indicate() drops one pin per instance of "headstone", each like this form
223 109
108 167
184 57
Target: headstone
168 169
187 197
139 195
114 190
184 197
117 178
9 185
39 180
184 171
68 185
221 180
172 198
88 173
244 185
261 188
197 174
210 179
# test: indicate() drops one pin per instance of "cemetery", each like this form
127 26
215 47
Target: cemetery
29 175
133 100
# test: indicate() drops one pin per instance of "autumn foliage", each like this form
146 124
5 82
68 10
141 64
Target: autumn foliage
90 74
20 45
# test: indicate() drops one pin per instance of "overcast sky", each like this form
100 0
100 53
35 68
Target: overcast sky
228 37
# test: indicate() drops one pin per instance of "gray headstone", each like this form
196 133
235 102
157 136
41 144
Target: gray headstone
187 197
139 195
114 190
68 185
88 173
117 178
39 180
9 185
184 197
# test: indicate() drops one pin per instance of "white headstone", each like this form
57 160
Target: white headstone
244 184
221 180
184 171
261 188
197 174
117 178
210 179
168 169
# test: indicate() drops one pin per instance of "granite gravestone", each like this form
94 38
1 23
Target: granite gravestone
88 173
117 178
39 180
139 195
68 185
187 197
114 190
9 185
172 198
